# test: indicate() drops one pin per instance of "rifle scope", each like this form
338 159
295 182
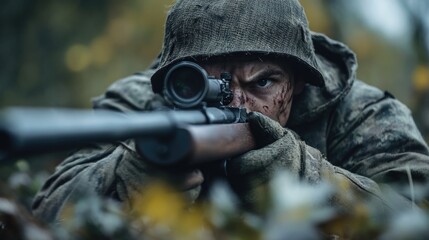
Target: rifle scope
188 85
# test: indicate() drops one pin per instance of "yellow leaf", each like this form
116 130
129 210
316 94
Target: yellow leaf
421 78
77 58
159 204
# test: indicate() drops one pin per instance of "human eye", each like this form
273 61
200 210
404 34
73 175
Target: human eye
263 83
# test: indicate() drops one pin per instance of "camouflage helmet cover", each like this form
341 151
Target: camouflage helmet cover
200 29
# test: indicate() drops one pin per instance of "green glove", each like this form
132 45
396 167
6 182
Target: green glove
278 148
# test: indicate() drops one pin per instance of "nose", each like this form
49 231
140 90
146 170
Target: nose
239 97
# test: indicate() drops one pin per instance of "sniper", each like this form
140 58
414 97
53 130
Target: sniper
309 114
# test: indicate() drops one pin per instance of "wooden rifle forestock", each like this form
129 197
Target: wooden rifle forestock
197 144
219 141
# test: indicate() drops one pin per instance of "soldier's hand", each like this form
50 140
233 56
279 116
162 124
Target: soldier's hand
277 148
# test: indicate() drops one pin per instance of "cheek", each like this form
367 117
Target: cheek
278 107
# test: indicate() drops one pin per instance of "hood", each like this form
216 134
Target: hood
198 30
338 66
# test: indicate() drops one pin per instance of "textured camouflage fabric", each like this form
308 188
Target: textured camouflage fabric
200 29
352 132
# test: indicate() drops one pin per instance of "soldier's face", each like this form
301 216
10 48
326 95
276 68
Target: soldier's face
262 86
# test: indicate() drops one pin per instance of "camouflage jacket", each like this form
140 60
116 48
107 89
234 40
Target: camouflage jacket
352 130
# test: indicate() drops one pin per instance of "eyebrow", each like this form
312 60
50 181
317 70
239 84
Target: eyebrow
265 74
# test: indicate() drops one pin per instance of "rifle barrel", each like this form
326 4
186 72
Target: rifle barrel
35 130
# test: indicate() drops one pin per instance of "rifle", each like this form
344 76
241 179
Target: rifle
200 128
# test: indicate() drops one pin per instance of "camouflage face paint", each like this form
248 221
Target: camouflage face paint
258 85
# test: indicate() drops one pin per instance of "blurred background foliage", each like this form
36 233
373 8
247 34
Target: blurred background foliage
63 53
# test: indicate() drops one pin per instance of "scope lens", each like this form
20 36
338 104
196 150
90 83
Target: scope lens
186 85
